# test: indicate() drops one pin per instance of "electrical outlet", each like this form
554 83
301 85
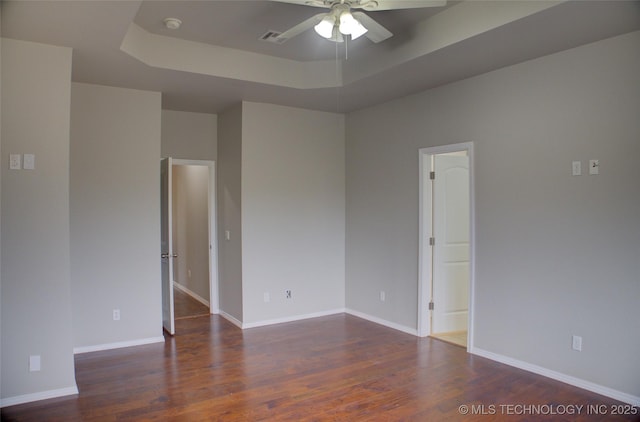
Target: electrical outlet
267 297
116 314
15 161
576 343
383 296
288 294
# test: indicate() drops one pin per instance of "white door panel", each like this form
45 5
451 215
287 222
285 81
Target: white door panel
451 249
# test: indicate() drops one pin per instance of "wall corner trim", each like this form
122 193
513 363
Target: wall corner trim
191 293
292 318
43 395
389 324
230 318
558 376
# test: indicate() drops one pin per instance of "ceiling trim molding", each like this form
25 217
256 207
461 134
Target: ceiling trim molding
189 56
453 25
456 24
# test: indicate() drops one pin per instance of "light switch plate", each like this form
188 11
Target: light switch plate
14 162
594 166
29 162
576 343
576 168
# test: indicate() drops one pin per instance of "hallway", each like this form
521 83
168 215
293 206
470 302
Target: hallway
187 307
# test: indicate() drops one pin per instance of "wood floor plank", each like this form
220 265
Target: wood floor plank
184 306
335 368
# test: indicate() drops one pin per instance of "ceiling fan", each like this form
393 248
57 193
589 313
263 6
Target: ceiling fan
342 21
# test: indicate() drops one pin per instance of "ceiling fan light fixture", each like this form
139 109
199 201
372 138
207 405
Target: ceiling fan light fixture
351 26
347 22
337 35
325 27
359 31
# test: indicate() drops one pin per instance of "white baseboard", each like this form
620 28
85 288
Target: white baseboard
292 318
558 376
43 395
191 293
404 329
117 345
230 318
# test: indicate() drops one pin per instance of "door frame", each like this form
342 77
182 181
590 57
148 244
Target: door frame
214 305
425 232
166 224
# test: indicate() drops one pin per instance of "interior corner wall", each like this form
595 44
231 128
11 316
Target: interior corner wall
190 228
36 301
293 221
228 212
556 254
115 214
189 136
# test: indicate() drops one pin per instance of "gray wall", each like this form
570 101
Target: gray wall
228 212
556 254
115 218
191 228
190 136
293 205
187 135
281 197
36 303
1 204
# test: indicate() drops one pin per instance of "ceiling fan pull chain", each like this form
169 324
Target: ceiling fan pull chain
346 47
337 78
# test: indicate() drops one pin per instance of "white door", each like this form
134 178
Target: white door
166 246
451 248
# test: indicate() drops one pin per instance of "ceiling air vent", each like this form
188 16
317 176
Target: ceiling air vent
273 37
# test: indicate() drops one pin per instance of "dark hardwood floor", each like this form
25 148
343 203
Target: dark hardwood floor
335 368
184 306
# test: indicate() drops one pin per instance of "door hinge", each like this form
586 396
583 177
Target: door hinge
431 306
432 175
432 241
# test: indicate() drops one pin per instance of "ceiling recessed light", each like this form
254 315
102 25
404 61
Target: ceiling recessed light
172 23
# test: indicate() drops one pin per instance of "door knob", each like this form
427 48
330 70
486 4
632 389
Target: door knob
166 255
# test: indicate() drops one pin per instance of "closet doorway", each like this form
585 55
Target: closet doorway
446 247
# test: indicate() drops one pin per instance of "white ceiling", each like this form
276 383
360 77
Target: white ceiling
216 58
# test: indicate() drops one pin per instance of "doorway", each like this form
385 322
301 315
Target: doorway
446 246
189 241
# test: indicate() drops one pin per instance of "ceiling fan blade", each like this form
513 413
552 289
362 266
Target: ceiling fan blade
315 3
300 28
375 5
375 32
